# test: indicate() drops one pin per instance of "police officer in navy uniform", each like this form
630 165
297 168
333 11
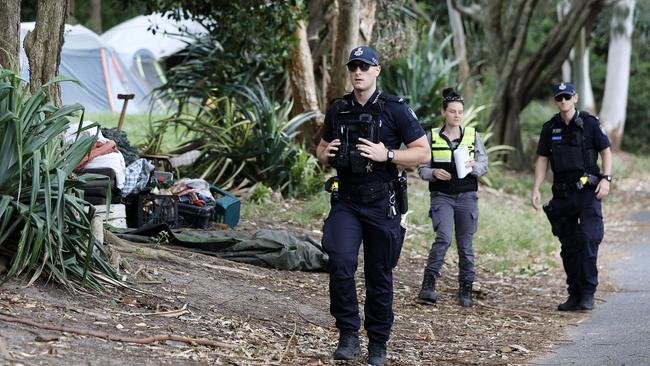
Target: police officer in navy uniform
572 141
364 208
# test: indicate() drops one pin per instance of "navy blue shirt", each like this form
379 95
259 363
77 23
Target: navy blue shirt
595 139
398 125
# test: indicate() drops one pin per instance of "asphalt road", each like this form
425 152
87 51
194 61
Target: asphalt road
618 330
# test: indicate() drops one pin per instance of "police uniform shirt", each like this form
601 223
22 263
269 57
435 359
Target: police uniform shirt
399 124
595 138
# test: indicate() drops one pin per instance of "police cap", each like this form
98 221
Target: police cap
365 54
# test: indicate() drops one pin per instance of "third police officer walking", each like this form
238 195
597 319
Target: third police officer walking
361 135
572 141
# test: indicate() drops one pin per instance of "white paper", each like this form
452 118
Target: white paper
461 156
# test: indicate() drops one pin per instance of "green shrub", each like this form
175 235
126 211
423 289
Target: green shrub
45 224
421 75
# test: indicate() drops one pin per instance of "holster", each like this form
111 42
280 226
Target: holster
557 221
402 193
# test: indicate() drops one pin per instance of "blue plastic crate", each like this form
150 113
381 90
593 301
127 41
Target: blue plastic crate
227 207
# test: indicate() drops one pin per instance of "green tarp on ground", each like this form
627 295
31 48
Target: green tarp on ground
270 248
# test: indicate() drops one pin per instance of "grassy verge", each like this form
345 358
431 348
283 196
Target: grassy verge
137 127
512 237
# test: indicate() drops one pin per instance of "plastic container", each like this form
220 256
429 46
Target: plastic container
157 209
195 216
116 217
227 207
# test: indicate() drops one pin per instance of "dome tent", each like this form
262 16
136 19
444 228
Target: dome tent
137 33
101 75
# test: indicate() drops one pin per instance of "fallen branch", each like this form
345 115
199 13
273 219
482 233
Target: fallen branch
112 337
286 349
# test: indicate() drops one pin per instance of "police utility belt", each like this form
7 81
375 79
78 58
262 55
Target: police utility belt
585 182
395 189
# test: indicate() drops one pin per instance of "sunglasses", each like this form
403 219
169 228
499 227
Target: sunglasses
361 65
559 98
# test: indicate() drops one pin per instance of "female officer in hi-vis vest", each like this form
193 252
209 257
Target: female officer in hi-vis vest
454 200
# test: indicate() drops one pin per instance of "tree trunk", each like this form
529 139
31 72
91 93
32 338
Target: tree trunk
505 25
460 51
96 16
303 86
368 9
587 97
10 38
43 46
345 38
612 113
563 7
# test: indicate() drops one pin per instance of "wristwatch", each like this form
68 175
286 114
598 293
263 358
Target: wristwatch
390 155
607 178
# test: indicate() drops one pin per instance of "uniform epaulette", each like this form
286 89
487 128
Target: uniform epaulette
392 98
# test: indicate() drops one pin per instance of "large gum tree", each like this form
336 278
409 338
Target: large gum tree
517 74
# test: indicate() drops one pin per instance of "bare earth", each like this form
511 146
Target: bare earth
262 316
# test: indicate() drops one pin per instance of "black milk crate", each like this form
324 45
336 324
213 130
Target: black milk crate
194 216
157 209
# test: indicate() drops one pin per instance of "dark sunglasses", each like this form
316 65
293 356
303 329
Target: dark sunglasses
558 98
362 65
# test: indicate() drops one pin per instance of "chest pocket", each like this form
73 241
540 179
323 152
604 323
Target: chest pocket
568 151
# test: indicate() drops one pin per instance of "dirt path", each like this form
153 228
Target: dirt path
265 316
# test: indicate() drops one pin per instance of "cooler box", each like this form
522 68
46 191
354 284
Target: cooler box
226 208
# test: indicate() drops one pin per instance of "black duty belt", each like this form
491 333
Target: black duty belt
365 193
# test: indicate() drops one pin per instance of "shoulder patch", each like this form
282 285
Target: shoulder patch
413 113
602 129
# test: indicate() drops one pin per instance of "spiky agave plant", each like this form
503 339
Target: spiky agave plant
45 224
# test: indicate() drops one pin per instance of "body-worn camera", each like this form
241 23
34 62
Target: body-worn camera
350 126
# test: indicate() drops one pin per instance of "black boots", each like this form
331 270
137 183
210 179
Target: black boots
348 348
465 294
376 354
587 302
572 303
428 291
577 302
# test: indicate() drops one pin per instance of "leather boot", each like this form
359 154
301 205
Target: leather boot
587 302
572 303
348 347
428 291
376 354
465 294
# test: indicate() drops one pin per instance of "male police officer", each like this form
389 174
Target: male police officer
572 140
362 133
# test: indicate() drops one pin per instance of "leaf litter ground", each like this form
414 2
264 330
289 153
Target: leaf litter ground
262 316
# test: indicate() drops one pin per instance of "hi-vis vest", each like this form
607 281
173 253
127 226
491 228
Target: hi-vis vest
442 157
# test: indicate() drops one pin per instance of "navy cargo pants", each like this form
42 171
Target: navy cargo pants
348 224
577 220
449 210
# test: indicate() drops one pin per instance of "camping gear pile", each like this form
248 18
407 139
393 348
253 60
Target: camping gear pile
146 195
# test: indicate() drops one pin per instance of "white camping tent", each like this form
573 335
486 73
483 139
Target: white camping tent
144 40
88 59
137 33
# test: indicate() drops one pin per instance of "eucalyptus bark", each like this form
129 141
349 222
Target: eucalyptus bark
43 46
505 25
303 87
346 37
368 9
617 81
10 37
460 51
